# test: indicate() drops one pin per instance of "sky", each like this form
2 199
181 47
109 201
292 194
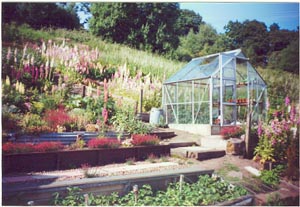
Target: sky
286 15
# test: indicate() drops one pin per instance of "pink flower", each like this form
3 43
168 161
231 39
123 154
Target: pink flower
267 105
259 129
287 101
28 105
105 114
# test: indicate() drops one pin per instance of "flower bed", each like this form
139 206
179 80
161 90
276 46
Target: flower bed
68 159
206 191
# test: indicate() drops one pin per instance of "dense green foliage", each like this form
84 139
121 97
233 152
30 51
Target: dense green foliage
39 15
148 26
206 191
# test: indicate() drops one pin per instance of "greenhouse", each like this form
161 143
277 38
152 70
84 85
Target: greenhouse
214 91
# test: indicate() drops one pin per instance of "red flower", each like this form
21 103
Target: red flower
12 148
141 139
48 146
57 117
231 132
103 143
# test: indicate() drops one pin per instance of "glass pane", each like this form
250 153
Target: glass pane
228 91
170 114
229 115
241 71
185 114
170 93
228 69
201 112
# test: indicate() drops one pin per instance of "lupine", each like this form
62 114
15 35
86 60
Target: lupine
105 114
259 129
287 101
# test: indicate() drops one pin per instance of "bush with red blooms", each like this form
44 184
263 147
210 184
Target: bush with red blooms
144 140
104 143
48 146
58 117
231 132
15 148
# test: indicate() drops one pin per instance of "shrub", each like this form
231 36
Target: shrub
144 140
124 120
272 177
48 146
58 117
79 144
103 143
14 148
231 132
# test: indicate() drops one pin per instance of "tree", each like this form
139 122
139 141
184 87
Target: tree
39 15
149 26
287 59
252 37
188 20
197 44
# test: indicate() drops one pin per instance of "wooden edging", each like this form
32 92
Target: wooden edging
62 160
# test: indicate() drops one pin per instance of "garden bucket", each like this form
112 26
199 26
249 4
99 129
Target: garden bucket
155 114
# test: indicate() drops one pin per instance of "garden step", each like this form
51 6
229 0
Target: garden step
210 154
198 152
164 135
182 144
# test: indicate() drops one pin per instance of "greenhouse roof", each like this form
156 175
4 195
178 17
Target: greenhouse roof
203 67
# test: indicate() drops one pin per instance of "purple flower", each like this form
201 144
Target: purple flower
287 101
28 105
292 113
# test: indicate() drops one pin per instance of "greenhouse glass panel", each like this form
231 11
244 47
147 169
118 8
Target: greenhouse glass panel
229 91
185 113
229 114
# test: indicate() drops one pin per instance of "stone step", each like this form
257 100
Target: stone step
211 154
216 142
182 144
198 152
164 135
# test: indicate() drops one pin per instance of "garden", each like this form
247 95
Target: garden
59 86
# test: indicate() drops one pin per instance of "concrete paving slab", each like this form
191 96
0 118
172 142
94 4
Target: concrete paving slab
139 167
253 170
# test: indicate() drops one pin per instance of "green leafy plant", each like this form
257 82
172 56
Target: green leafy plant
125 121
73 198
130 161
272 177
78 144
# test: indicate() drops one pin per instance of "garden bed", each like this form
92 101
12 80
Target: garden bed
60 160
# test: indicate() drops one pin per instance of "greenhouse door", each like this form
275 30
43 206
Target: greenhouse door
228 91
